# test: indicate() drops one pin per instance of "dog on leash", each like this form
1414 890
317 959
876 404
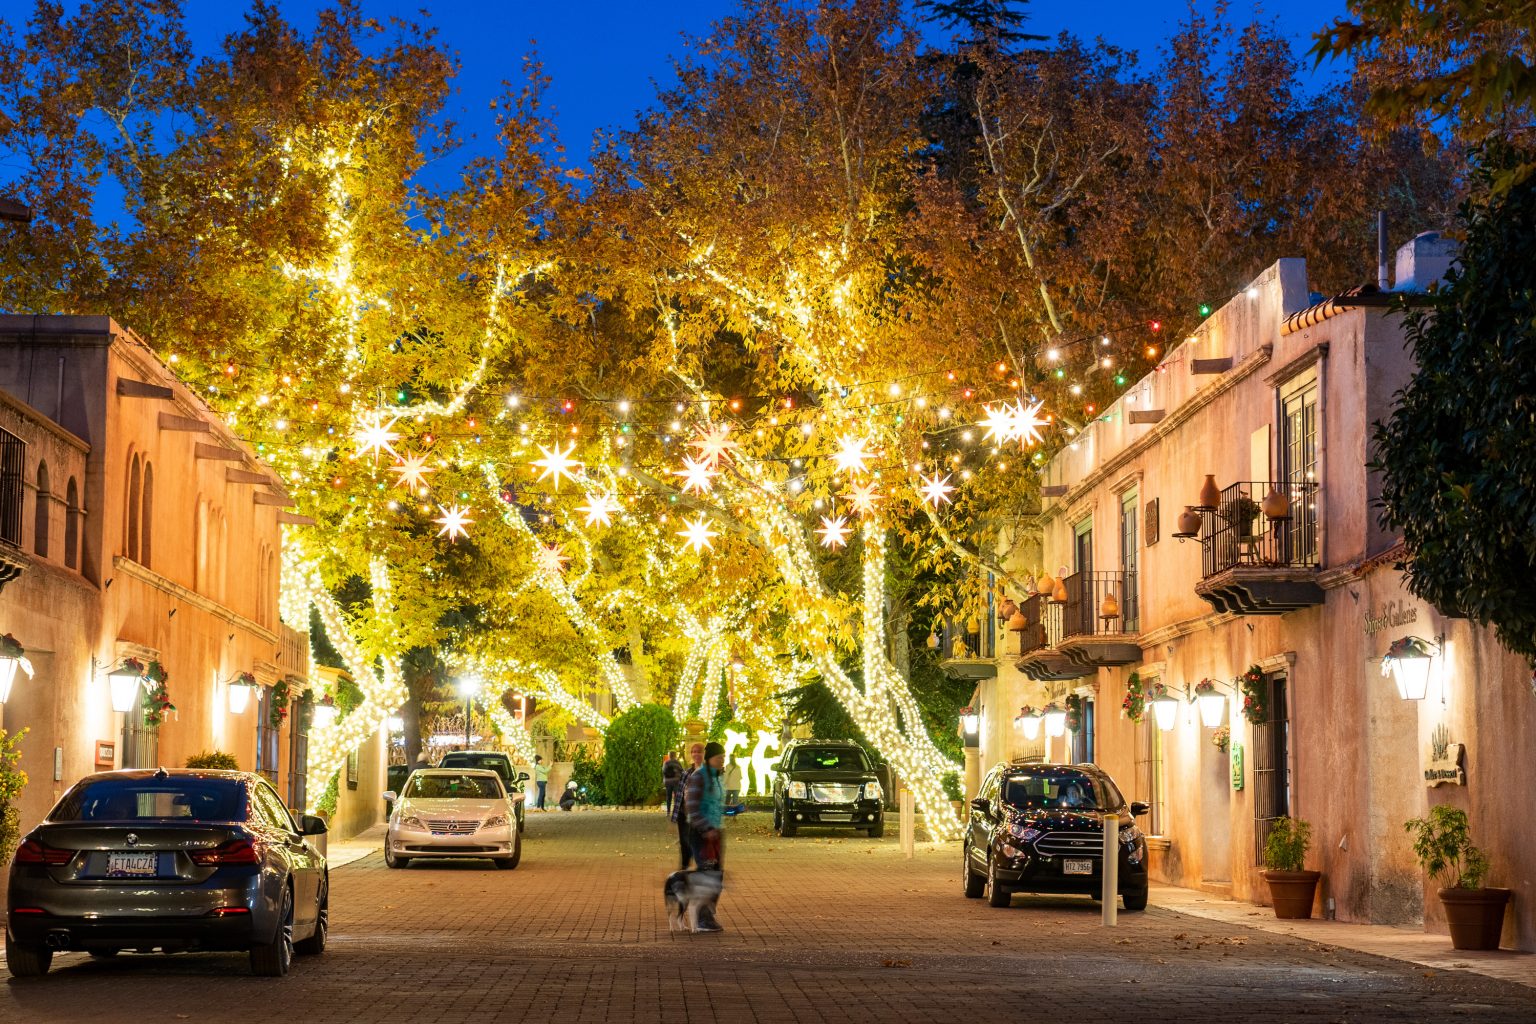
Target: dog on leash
691 897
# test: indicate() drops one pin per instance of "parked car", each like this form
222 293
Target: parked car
497 762
1040 828
829 783
453 812
171 860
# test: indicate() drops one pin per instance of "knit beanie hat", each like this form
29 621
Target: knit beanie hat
712 749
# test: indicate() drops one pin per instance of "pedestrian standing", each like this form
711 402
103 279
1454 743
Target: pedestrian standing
541 779
679 813
704 799
732 783
671 779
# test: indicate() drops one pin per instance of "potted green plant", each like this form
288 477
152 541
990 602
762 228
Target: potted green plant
1291 886
1443 843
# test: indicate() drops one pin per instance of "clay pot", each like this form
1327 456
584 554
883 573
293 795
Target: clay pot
1276 505
1046 583
1293 892
1006 609
1189 522
1475 916
1017 623
1210 494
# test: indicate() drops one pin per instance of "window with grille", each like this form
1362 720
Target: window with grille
1082 740
1298 456
1128 558
266 735
1149 773
298 760
141 742
1271 765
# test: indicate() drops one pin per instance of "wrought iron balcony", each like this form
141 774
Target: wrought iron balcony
1100 620
1042 632
1259 549
967 653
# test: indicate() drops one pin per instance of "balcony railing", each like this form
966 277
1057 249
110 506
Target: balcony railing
977 644
1238 533
1042 624
1088 595
12 493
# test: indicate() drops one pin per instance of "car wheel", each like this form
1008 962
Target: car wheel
508 863
27 961
1136 899
788 828
272 959
975 884
778 819
877 831
315 944
998 895
392 861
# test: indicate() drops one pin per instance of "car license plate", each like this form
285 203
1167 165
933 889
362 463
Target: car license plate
131 865
834 816
1077 867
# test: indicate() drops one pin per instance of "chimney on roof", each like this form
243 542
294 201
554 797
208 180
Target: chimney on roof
1424 261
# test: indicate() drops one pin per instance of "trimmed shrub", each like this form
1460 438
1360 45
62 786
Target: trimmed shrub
214 759
633 748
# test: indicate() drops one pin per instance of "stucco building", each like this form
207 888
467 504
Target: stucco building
1261 424
135 525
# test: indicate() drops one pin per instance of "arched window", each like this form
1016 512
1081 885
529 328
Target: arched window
40 524
72 525
131 535
147 519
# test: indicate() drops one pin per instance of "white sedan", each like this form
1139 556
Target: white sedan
453 812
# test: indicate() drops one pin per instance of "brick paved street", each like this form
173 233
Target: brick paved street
818 928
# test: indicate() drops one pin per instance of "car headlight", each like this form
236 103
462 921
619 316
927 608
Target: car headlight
1025 833
797 791
1009 850
494 821
872 791
412 822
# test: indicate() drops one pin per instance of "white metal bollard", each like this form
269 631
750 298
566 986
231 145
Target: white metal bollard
908 823
1111 869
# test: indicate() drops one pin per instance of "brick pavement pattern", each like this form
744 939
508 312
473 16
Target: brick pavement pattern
824 927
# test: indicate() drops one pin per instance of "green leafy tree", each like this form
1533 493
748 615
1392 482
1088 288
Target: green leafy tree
12 781
633 748
1458 454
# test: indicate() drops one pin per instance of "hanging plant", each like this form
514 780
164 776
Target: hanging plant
282 696
1222 737
1074 712
246 679
157 700
1206 688
1255 695
133 665
1135 703
1156 691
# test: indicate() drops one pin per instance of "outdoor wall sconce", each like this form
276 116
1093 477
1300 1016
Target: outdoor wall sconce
1166 711
1029 721
1409 661
12 657
1055 720
970 721
240 689
123 684
1212 703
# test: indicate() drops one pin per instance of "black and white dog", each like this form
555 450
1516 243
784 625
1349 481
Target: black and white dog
691 897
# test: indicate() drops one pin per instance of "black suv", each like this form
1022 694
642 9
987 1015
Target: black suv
1040 828
495 761
827 782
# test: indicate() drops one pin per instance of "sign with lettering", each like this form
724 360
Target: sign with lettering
1236 751
1442 761
1393 613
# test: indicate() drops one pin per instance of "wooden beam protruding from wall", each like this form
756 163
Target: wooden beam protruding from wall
294 519
170 421
265 498
130 388
1146 415
213 451
1210 366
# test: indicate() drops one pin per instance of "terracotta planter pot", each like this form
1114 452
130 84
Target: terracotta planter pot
1293 892
1476 916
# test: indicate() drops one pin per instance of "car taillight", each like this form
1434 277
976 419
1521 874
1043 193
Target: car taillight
236 851
33 852
230 911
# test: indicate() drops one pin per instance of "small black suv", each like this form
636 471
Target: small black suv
827 782
1040 828
495 761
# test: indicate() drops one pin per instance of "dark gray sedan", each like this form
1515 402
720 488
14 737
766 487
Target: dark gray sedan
170 860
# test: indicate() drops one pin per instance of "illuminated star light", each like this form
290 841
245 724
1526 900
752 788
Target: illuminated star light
852 455
557 464
1014 422
936 490
864 498
412 472
697 475
375 435
599 509
713 445
552 559
834 531
453 521
697 534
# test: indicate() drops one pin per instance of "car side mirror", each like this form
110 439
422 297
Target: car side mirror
982 804
312 825
1139 808
522 776
390 796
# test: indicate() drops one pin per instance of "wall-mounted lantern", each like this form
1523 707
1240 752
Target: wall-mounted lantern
240 689
1212 703
12 657
1055 720
123 684
1166 710
1028 721
1409 661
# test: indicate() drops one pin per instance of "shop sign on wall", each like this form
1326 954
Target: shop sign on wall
1236 751
1393 613
1442 764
